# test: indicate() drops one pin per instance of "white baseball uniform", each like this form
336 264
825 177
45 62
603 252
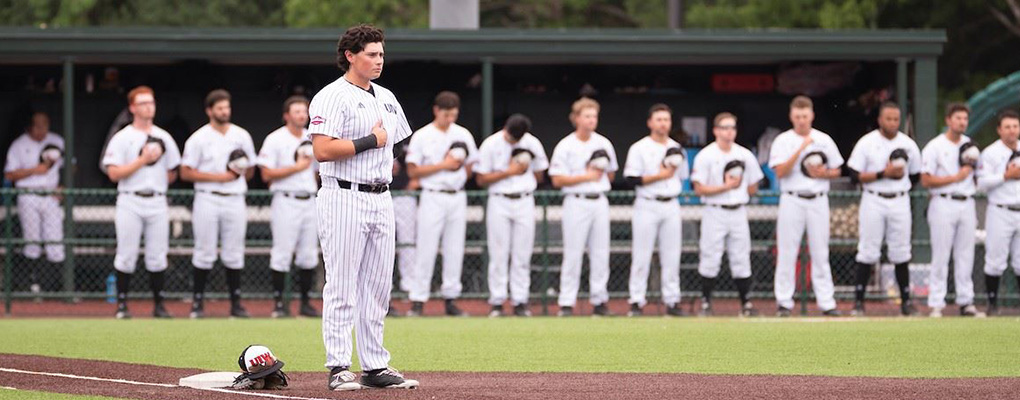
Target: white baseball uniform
441 209
724 225
803 206
510 216
1002 218
42 218
293 209
656 216
219 210
405 213
141 199
952 220
356 226
885 203
585 217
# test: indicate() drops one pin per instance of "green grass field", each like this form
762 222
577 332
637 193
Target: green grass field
950 347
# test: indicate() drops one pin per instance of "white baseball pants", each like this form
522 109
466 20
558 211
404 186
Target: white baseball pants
223 219
405 212
137 216
653 220
294 235
510 229
42 219
1003 240
797 215
725 230
952 224
884 218
441 216
585 225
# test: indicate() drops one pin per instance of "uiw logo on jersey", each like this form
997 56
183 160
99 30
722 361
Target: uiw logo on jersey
316 120
391 108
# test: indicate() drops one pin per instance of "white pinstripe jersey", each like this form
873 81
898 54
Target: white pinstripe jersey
345 111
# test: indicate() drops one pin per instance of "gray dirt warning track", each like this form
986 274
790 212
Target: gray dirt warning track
498 385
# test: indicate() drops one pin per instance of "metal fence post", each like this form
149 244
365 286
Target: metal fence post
9 249
69 162
545 253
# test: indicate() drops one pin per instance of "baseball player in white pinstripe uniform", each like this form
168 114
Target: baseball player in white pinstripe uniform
887 163
441 155
656 165
725 175
999 176
143 159
218 158
510 165
351 122
948 163
34 161
286 163
583 165
805 159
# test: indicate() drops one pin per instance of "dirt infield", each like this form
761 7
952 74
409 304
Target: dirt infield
502 385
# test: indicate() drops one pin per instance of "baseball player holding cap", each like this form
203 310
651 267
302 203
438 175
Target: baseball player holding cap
886 162
948 163
999 176
656 165
583 165
725 175
287 165
217 158
33 162
510 165
143 159
440 156
805 159
351 124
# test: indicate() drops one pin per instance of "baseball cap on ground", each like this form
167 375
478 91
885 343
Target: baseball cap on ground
258 361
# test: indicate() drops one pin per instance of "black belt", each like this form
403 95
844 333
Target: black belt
297 195
659 198
730 207
443 191
806 196
361 187
589 196
221 194
957 197
513 196
1009 207
887 195
144 193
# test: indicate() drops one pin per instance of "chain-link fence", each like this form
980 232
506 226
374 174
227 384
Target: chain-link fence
34 267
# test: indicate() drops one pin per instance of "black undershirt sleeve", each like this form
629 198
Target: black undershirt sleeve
855 177
633 181
915 178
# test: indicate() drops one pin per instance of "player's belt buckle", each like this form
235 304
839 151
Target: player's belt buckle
957 197
589 196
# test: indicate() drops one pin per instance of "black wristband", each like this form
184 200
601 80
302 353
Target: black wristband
879 175
365 143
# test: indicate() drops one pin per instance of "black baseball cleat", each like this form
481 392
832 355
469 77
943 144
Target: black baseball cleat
496 312
635 310
675 310
416 309
122 312
858 309
521 310
832 313
387 378
452 310
238 311
565 311
747 310
197 311
279 311
342 379
601 311
784 312
158 311
706 309
907 309
306 310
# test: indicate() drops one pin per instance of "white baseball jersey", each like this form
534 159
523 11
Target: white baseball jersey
709 168
494 156
25 153
645 158
941 157
208 150
871 154
345 111
429 146
278 151
571 156
356 230
126 145
991 169
787 143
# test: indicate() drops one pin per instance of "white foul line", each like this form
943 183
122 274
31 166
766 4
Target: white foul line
164 385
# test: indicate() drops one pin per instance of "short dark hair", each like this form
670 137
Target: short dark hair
447 100
955 107
216 96
354 40
658 107
888 104
517 125
292 100
1007 114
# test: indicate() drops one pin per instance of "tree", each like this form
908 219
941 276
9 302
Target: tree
1013 25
